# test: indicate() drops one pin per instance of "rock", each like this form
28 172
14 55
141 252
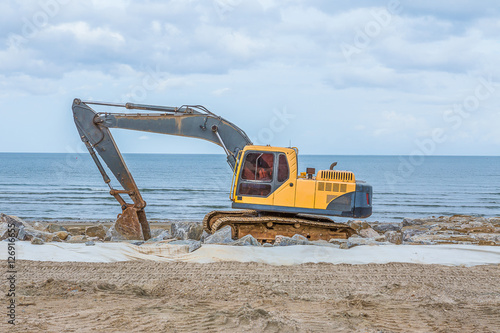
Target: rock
493 238
298 237
4 231
11 219
113 235
76 231
280 240
39 226
424 239
62 235
247 240
11 222
322 242
495 221
345 246
476 227
89 243
193 244
55 228
338 241
21 233
204 236
412 231
179 230
463 239
368 233
395 237
356 241
76 239
156 232
37 241
96 231
165 234
267 245
466 218
358 225
195 231
221 236
30 234
410 222
187 230
382 228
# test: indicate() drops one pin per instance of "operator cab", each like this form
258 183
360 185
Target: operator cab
262 173
266 179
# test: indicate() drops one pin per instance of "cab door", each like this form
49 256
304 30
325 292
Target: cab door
256 181
285 193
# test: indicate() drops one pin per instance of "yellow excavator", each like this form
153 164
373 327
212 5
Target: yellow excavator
269 194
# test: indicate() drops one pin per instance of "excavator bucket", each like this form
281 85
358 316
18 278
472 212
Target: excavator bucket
132 224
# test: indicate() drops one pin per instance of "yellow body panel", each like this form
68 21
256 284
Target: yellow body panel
327 191
305 193
257 200
285 194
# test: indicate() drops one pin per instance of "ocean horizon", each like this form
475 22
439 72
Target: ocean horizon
184 187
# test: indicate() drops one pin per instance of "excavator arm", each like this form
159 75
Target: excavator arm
189 120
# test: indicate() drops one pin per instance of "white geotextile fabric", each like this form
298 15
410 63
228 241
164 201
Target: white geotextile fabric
466 255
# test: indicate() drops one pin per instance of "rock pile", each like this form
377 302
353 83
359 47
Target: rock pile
40 233
458 229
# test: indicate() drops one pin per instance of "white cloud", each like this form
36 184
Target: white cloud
244 59
83 33
221 91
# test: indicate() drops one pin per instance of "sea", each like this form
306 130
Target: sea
68 187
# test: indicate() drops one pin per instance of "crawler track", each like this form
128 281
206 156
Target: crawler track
265 227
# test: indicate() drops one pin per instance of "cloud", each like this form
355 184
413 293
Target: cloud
244 59
221 91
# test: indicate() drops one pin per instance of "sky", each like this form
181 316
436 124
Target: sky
329 77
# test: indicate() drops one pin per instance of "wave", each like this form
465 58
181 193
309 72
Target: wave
187 190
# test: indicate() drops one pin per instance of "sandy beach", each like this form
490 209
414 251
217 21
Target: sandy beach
444 277
251 297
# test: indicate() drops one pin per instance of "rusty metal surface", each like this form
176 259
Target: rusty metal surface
266 228
213 216
127 224
141 214
264 234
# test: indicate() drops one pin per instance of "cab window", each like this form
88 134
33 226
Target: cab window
257 174
259 167
283 170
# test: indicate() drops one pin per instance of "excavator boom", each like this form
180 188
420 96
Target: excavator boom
190 121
